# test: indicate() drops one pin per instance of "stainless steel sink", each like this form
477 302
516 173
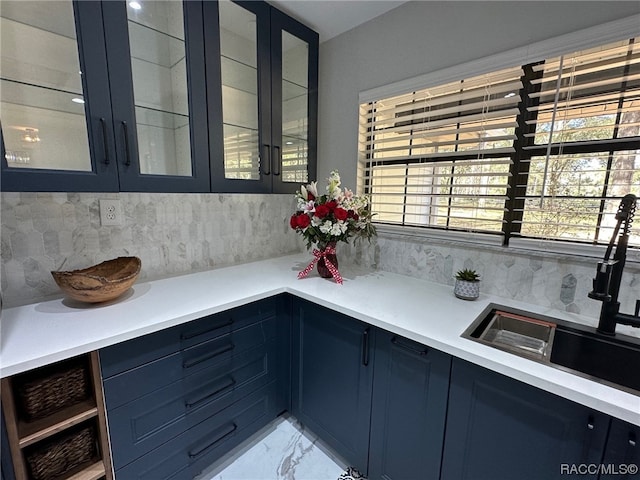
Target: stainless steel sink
564 345
518 334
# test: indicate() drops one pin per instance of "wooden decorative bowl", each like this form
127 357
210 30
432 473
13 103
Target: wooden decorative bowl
100 283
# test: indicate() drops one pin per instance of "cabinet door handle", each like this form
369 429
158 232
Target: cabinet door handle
590 423
105 141
127 153
197 401
365 347
208 356
199 451
632 439
187 336
278 159
421 352
267 163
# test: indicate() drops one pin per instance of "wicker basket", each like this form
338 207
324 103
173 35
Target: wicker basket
52 390
62 454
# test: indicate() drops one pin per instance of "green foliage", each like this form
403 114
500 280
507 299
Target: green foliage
468 275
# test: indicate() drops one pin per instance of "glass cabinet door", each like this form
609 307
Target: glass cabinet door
43 100
239 74
295 90
243 59
295 112
269 74
159 99
158 67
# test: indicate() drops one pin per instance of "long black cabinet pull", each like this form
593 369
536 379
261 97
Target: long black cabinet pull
197 401
105 140
208 356
187 336
417 351
278 160
365 347
127 153
267 162
199 451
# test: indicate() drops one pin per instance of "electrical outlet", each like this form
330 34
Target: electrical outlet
110 213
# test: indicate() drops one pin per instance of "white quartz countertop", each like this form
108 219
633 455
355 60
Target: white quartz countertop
41 333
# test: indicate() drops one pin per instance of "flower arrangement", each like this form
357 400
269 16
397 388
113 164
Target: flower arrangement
325 219
337 215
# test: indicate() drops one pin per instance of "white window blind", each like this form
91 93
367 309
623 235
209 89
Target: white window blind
440 156
583 144
475 156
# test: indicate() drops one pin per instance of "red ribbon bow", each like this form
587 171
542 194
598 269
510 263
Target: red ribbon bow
318 254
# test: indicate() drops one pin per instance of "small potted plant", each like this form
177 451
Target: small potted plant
467 285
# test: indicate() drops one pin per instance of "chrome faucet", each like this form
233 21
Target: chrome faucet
606 284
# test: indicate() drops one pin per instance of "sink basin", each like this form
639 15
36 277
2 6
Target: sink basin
564 345
609 359
519 334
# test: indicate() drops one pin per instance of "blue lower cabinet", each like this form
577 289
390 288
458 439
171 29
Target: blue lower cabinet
332 378
138 351
137 382
187 454
178 399
622 456
411 386
500 429
147 422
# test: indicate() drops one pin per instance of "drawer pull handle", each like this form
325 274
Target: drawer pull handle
199 451
228 385
208 356
187 336
421 351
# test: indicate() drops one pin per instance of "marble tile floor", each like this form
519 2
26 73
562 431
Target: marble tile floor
281 451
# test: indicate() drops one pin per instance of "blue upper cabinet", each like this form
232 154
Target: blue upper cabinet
155 54
104 97
157 96
263 122
55 104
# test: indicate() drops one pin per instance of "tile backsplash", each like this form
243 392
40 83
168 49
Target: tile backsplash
171 233
175 234
540 278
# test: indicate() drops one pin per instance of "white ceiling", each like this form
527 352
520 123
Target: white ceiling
330 18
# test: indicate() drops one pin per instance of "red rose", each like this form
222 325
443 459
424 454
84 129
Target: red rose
310 196
322 211
341 213
299 220
303 220
331 205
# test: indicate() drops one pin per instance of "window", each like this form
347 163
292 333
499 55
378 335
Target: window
545 150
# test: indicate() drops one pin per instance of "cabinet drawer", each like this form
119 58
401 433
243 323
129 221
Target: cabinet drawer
127 386
138 351
147 422
190 452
